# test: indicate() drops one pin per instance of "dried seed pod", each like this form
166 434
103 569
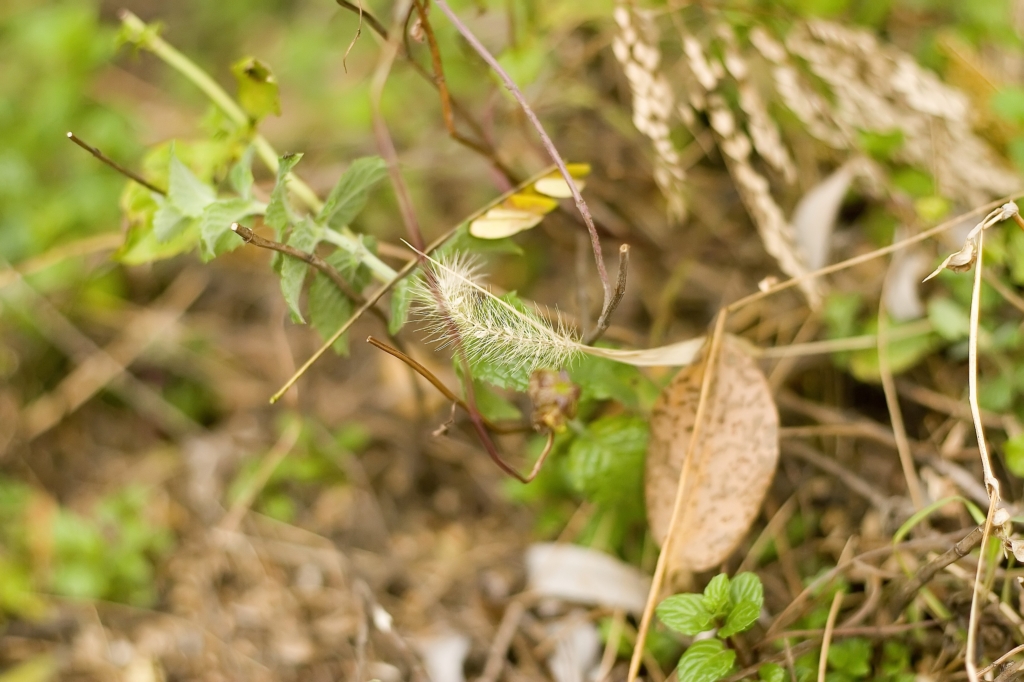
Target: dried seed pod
554 399
733 463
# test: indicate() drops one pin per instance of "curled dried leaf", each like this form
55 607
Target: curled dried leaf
960 261
733 463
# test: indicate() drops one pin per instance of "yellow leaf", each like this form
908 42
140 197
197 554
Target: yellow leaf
500 222
554 185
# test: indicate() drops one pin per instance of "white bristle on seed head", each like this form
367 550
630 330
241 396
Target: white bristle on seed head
458 310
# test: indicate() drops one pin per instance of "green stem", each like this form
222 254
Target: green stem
144 36
347 241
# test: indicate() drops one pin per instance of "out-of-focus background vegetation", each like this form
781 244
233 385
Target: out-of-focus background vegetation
134 426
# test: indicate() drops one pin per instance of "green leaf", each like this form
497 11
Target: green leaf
349 195
716 594
305 237
494 406
329 308
686 614
1014 451
904 353
949 320
746 587
741 616
705 661
401 299
215 235
257 88
168 221
279 215
606 462
603 379
240 175
771 672
851 656
187 193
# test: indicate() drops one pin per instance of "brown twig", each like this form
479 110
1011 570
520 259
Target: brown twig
595 242
905 593
367 17
316 261
250 237
480 423
114 164
440 386
620 289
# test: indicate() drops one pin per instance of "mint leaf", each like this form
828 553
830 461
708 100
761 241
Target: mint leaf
305 237
686 614
771 672
278 214
741 616
329 308
606 462
705 661
240 175
746 587
215 235
494 406
603 379
716 594
168 221
186 192
401 299
350 193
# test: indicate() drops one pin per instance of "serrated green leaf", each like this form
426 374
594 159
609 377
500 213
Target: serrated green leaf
257 88
705 661
168 221
329 308
187 193
741 616
716 594
401 299
686 614
279 215
603 379
746 587
240 176
352 190
215 235
606 462
492 405
304 237
771 672
142 246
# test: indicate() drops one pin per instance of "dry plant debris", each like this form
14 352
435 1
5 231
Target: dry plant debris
733 464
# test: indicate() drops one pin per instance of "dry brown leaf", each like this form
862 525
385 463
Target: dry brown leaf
733 464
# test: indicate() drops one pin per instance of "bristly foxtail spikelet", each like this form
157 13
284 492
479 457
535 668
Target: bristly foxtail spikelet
459 311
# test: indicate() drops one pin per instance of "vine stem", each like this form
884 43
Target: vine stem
610 299
991 483
146 37
707 382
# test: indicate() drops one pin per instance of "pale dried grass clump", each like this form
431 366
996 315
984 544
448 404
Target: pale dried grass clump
839 82
636 49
